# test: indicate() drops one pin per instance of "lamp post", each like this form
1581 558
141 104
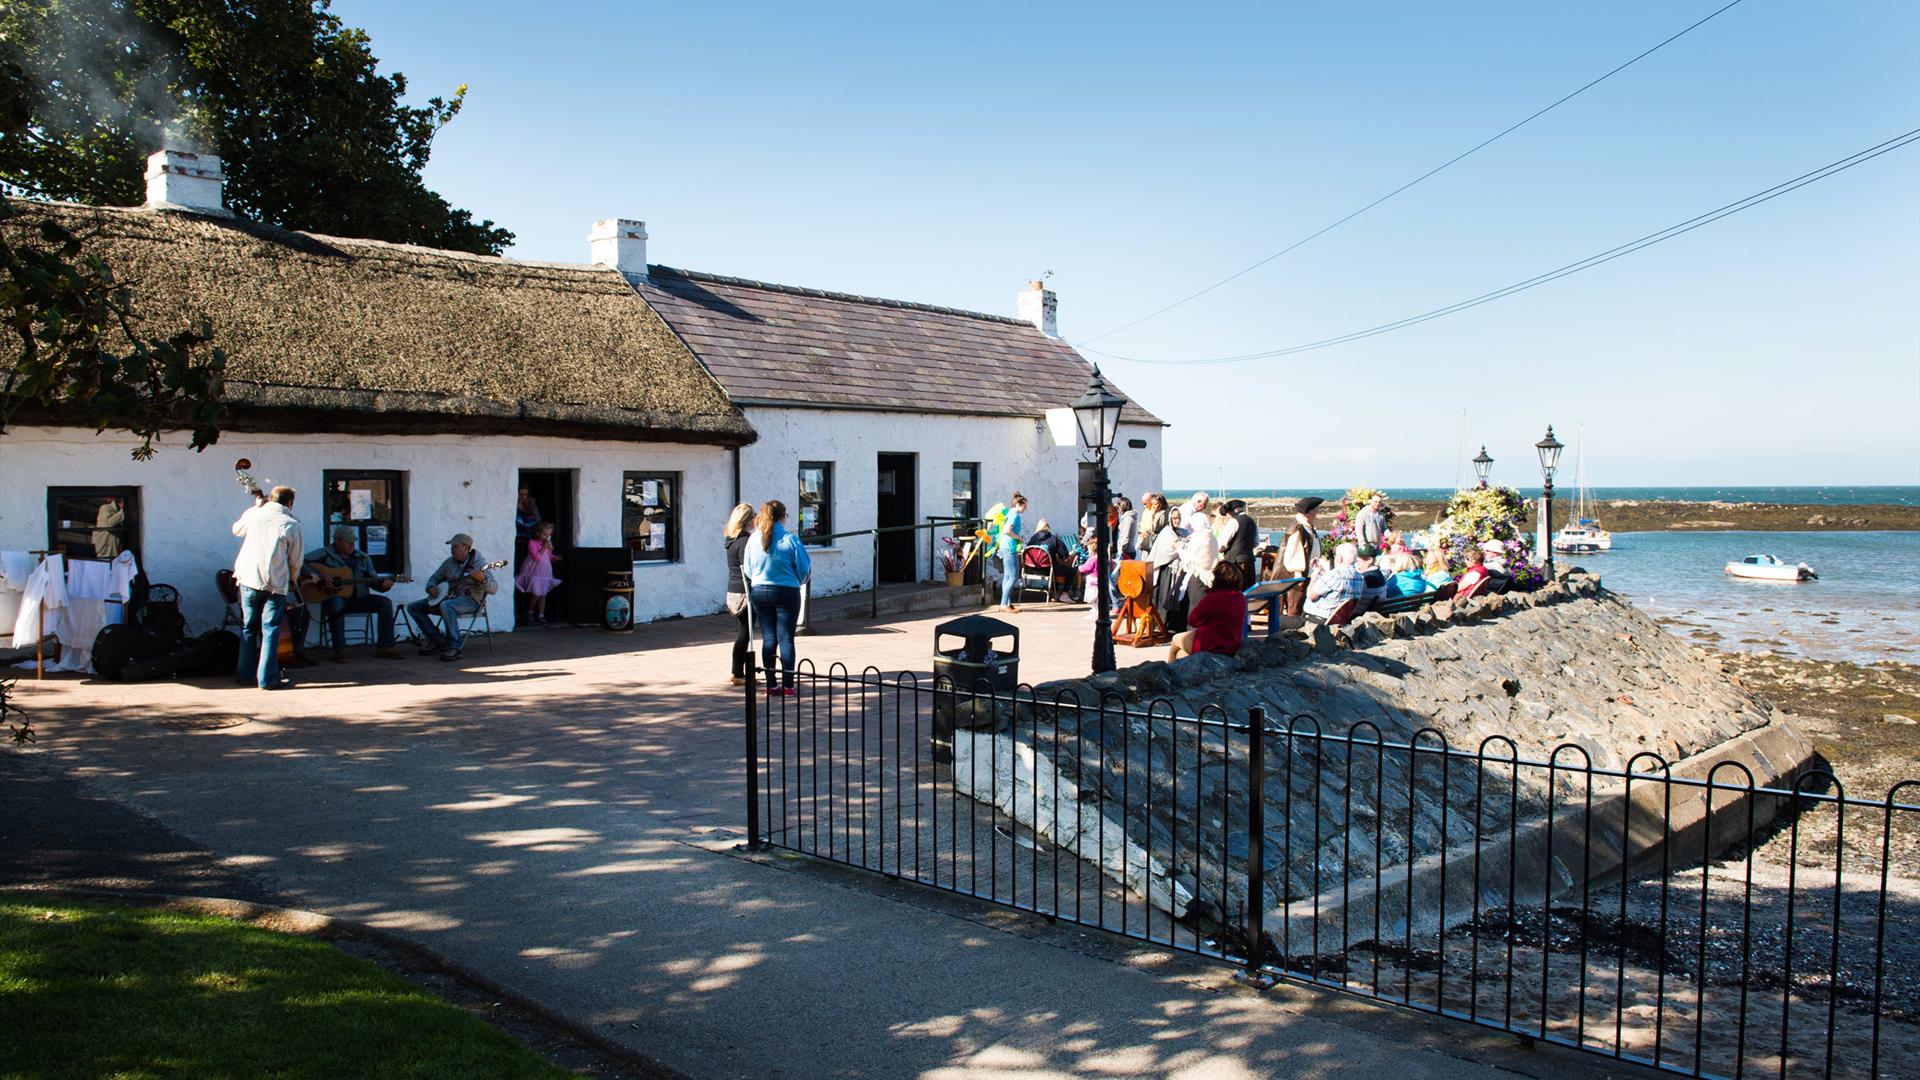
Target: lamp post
1549 449
1097 414
1482 465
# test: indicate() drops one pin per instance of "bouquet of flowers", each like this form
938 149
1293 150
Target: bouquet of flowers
1496 515
955 554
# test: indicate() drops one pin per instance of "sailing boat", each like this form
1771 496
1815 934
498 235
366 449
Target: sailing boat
1583 534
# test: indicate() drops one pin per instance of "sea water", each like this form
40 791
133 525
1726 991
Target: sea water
1828 495
1864 607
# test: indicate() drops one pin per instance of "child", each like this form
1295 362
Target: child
536 574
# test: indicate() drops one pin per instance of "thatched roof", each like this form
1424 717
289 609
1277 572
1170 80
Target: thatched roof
323 333
804 348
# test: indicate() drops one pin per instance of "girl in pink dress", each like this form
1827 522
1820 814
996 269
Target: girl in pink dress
536 574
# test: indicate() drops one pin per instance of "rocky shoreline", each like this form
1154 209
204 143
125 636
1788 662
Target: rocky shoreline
1657 515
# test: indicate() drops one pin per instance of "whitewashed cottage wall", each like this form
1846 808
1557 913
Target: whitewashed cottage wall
1014 454
452 484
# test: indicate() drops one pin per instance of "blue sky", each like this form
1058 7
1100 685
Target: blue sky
946 153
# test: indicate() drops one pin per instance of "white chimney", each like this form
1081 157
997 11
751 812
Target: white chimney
177 180
1039 306
620 243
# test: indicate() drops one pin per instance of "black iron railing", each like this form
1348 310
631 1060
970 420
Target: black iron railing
1700 924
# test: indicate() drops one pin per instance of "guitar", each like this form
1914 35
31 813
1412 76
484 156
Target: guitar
335 580
464 585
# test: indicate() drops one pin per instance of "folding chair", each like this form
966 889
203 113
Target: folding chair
1035 564
230 592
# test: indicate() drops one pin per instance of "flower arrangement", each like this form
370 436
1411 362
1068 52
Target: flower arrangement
1497 515
955 554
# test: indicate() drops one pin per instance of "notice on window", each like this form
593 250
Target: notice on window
657 540
376 540
809 519
359 504
649 493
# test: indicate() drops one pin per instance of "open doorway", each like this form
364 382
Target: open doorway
899 551
552 491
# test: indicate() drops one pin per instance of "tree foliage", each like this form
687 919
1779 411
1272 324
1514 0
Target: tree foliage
312 136
72 345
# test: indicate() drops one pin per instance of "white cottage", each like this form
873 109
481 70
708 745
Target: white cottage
406 392
880 413
412 393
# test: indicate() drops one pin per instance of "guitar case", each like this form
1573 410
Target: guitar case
130 654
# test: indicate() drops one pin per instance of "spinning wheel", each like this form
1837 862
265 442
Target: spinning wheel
1136 623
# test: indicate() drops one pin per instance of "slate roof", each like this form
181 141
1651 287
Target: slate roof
784 345
326 333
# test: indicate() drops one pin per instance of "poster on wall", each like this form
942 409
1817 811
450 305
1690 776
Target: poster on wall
650 493
359 504
376 540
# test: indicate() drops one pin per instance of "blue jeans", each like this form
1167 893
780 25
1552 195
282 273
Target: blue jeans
452 610
264 612
335 610
776 608
1009 575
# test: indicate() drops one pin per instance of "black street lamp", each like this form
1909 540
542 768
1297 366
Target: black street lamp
1549 448
1098 415
1482 465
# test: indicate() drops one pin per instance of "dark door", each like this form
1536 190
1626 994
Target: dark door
1087 477
552 491
897 502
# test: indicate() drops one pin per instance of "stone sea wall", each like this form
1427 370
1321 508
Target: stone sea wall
1570 668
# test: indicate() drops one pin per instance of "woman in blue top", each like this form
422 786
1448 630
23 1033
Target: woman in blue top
774 565
1010 548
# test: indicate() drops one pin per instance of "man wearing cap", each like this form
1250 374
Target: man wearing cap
1299 550
1373 580
343 554
465 577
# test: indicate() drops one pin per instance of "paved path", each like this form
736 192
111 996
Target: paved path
561 816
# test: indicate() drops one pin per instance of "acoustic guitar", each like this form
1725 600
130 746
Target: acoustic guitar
336 580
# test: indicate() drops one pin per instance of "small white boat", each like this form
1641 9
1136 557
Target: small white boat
1768 568
1582 537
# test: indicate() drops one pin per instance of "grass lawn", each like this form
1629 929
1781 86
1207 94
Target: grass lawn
98 990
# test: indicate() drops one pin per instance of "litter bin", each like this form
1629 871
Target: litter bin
619 610
975 667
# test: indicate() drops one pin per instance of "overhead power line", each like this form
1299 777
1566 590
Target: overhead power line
1443 166
1587 263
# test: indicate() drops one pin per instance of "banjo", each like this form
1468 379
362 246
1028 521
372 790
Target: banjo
464 585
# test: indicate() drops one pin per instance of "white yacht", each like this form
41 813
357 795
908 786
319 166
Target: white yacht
1583 535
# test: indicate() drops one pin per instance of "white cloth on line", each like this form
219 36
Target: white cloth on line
46 593
15 568
80 624
89 579
124 570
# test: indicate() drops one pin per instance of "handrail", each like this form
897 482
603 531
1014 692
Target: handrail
873 583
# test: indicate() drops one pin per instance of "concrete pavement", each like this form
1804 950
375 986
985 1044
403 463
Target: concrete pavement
563 816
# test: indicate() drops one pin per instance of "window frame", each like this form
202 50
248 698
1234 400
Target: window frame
670 553
973 513
394 560
130 498
823 525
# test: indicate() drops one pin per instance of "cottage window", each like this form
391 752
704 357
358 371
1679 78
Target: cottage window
966 494
650 516
93 523
814 512
373 504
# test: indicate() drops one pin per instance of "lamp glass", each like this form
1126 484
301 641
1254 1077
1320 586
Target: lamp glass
1097 414
1549 448
1482 464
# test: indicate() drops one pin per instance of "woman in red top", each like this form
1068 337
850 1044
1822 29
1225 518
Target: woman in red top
1473 576
1218 623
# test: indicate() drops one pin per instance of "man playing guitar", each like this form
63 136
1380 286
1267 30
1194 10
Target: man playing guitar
351 597
468 581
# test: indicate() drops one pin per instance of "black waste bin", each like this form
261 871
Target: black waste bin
976 667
